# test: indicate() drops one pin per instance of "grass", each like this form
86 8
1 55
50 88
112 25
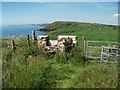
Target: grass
91 32
95 32
31 67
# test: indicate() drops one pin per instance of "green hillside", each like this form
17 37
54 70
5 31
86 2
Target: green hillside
91 31
32 67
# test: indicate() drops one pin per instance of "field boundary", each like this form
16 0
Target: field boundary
101 51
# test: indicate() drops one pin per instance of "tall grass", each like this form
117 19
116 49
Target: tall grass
31 67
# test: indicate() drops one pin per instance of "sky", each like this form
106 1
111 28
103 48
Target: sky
60 0
47 12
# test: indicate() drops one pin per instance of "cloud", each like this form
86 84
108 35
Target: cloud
116 15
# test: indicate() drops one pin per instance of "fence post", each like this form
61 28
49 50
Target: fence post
84 46
28 40
102 53
87 50
33 35
13 44
83 42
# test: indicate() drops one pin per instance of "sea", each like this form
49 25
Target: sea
20 30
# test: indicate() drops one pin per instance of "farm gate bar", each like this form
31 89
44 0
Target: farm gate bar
100 51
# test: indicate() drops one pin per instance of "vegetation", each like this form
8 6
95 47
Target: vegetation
31 67
91 31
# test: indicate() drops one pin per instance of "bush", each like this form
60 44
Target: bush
68 45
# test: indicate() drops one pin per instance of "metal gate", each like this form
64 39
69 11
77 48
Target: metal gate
110 54
94 50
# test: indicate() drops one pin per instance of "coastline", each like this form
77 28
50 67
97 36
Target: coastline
20 30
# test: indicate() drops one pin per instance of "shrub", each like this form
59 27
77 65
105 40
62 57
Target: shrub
68 45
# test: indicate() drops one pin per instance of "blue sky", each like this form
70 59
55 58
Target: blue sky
47 12
60 0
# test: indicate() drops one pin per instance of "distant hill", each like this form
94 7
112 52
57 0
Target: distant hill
66 24
91 31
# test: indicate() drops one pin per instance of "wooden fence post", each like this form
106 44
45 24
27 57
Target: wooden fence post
83 42
102 51
86 50
13 44
28 40
33 35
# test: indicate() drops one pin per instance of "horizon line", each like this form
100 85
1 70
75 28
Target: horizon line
63 21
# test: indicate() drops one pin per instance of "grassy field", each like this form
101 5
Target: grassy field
91 31
32 67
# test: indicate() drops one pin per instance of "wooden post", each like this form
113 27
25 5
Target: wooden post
83 42
12 44
102 51
33 35
28 40
86 50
